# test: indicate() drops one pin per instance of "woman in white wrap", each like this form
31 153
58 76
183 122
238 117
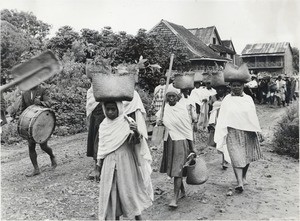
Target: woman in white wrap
125 184
236 132
178 141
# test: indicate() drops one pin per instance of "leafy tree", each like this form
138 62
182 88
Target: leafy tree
27 22
13 45
63 41
295 59
157 50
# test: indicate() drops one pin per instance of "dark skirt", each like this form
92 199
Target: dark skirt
243 147
97 116
174 157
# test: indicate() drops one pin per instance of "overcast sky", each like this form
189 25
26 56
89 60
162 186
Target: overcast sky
242 21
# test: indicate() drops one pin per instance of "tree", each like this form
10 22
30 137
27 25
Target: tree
63 41
13 44
156 49
295 59
27 22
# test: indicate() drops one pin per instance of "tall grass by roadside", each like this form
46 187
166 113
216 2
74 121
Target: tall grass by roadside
286 136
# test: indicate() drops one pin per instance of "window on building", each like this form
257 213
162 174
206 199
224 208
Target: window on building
214 41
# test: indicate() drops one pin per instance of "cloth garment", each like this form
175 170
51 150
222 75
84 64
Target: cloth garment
243 147
190 106
91 103
122 189
252 84
281 89
198 95
177 122
95 118
136 108
125 176
174 157
178 130
237 112
158 97
38 94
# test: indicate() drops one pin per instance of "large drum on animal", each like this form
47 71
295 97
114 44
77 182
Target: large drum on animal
36 123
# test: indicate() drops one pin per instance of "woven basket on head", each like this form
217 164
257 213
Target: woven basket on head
217 79
198 76
206 77
184 80
117 86
232 74
197 172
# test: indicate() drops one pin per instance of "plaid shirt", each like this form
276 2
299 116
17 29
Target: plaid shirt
158 97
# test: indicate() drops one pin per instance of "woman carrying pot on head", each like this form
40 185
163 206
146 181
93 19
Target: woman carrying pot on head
125 184
238 126
178 141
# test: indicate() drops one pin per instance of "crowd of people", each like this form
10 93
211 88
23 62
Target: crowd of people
279 90
118 136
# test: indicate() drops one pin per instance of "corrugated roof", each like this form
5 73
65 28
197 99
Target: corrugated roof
265 48
195 45
203 33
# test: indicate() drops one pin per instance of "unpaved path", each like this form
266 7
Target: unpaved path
66 194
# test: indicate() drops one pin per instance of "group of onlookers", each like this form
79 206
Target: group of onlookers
277 90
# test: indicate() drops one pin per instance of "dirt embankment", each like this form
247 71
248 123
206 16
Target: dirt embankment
66 194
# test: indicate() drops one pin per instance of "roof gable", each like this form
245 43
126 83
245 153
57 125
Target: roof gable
228 44
206 34
266 48
193 44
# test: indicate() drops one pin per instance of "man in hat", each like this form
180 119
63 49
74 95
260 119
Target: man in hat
37 96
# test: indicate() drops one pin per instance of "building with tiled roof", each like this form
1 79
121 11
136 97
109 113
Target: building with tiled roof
199 53
274 58
210 36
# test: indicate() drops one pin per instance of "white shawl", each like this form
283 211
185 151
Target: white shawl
177 121
237 112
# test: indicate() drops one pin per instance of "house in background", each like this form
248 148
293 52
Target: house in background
273 58
200 55
211 38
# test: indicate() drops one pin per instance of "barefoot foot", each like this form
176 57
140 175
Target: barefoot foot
34 173
53 163
239 189
173 204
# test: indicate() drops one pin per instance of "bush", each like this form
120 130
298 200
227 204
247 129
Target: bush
9 133
68 92
286 137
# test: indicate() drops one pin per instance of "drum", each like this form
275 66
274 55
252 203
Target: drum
36 123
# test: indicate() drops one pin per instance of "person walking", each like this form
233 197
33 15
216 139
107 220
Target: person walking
178 141
123 166
38 95
237 127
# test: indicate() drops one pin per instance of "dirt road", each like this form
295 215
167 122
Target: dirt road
66 194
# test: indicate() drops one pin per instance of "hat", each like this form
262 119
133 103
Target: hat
232 74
